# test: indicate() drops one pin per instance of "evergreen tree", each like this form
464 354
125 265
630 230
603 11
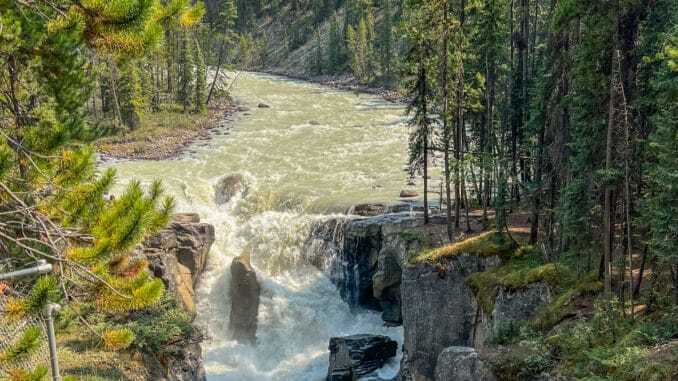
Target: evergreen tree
186 72
200 79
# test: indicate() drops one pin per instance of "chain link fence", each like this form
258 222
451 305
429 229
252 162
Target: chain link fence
15 330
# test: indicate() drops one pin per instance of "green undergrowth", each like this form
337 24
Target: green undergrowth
611 346
522 268
485 245
584 334
126 340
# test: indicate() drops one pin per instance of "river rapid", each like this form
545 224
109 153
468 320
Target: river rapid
312 154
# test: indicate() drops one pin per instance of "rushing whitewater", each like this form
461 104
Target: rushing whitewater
296 172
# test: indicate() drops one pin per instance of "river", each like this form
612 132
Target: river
297 174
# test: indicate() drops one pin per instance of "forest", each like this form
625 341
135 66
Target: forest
565 111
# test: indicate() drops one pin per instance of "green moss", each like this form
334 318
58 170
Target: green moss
553 313
523 268
484 245
485 288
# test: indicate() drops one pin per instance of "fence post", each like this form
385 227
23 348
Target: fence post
51 337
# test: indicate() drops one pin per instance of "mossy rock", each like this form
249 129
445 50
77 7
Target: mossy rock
484 245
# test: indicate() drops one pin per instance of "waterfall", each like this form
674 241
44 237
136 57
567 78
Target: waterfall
297 175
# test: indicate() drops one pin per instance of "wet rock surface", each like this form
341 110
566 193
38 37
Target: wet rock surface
358 355
245 291
228 187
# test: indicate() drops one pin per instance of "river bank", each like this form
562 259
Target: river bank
167 135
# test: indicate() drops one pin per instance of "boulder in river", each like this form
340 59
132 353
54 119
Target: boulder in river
314 123
370 210
229 187
358 355
243 109
245 292
405 193
263 105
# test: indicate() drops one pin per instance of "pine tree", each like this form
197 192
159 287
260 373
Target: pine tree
186 72
200 98
51 198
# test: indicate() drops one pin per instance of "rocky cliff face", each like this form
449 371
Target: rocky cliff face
440 311
362 257
178 255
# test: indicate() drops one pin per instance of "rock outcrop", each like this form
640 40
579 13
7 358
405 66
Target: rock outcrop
245 291
362 257
358 355
178 256
228 187
439 310
462 364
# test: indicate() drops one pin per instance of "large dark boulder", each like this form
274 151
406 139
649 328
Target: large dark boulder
228 187
358 355
245 291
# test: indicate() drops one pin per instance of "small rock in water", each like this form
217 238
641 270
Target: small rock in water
411 183
263 105
408 193
358 355
370 210
228 187
314 123
243 109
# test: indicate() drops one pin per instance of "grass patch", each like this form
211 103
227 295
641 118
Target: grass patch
158 124
484 245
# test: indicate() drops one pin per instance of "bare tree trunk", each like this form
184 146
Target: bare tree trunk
222 50
458 143
113 78
608 224
446 126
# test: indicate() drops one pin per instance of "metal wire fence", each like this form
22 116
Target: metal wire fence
12 332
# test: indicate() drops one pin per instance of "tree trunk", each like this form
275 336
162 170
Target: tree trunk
446 125
216 71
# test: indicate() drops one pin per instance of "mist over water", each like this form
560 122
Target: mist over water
297 174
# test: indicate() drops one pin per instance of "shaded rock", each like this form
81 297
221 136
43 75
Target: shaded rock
263 105
352 251
341 367
512 304
386 285
462 364
405 193
358 355
411 183
243 109
370 210
432 319
229 187
314 123
245 292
